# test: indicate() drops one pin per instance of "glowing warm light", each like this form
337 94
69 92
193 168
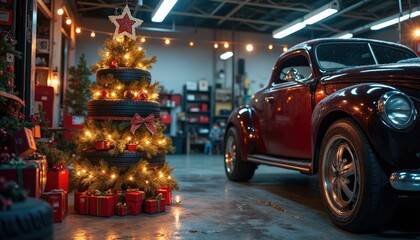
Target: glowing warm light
216 45
78 30
143 39
87 133
147 142
113 176
191 44
84 171
167 41
249 47
113 94
147 182
285 49
144 169
119 87
169 177
178 199
226 45
131 178
68 21
93 34
161 175
60 11
79 173
140 48
270 46
109 137
103 171
126 56
129 139
417 33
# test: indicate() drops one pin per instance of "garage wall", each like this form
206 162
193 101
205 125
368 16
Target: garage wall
180 63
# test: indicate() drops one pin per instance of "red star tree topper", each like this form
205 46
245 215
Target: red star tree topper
125 24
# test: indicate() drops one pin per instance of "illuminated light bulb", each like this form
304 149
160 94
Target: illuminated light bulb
147 142
78 30
103 171
417 33
167 41
216 45
68 21
226 45
161 175
144 169
147 182
113 176
143 39
93 34
285 49
119 39
140 65
119 87
249 47
84 171
87 133
60 11
177 199
130 178
270 46
113 94
98 93
126 56
139 48
169 177
109 136
79 173
107 54
128 138
191 44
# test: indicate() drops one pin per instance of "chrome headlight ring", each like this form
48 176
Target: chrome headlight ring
397 110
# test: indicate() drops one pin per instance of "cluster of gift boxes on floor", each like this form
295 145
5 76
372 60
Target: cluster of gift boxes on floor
122 203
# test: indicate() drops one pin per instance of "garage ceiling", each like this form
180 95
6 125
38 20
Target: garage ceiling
261 16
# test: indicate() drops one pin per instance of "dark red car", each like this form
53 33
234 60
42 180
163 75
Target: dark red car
346 110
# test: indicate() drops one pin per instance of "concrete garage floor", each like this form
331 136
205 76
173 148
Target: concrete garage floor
275 204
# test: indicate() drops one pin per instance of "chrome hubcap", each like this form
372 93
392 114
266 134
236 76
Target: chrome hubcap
340 175
230 154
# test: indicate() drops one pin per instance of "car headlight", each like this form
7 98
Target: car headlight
397 109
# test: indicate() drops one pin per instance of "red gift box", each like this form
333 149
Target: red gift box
102 145
166 193
165 118
25 175
134 202
22 142
41 161
102 206
121 210
57 180
131 147
57 199
155 205
83 204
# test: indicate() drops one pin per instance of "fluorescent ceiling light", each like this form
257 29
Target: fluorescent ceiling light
162 10
321 13
346 36
311 18
395 20
288 29
226 55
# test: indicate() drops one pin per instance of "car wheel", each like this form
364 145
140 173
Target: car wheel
354 188
236 169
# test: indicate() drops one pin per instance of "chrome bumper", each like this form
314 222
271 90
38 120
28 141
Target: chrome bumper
406 180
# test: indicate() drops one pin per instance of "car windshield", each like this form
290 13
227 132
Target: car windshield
334 56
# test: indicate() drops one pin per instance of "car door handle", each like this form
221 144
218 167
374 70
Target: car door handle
269 99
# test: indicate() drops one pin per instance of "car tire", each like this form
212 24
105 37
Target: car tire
236 169
354 188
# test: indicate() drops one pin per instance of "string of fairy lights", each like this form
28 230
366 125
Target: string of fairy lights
249 47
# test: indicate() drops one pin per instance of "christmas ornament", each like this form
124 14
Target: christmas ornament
10 68
148 122
125 24
129 94
113 64
104 94
142 96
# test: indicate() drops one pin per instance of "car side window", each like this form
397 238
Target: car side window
295 68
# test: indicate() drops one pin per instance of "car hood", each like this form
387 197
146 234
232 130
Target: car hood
403 76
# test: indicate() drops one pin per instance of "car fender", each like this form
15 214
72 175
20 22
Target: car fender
358 102
243 120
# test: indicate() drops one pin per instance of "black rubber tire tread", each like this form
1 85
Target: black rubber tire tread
126 75
243 171
125 159
379 202
122 108
30 219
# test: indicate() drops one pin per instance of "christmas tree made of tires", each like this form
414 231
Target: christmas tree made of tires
122 144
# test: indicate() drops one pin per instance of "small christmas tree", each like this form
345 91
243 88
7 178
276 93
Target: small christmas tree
11 116
78 93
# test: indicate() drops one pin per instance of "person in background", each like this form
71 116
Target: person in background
215 136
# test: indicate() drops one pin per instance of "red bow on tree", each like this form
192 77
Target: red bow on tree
148 121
